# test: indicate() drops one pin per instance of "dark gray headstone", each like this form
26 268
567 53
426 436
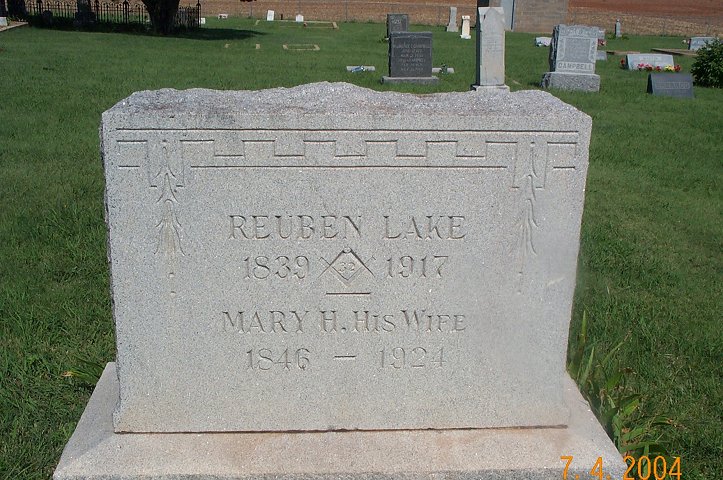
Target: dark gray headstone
410 54
678 85
397 22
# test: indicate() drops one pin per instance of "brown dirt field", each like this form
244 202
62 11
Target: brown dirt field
653 7
644 17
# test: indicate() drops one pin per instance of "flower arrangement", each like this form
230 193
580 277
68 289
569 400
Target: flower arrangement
646 67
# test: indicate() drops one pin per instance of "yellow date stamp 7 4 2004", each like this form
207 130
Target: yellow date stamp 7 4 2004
642 468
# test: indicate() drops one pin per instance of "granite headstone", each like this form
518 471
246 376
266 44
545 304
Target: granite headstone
573 53
291 266
678 85
697 42
452 24
465 28
490 49
410 58
634 61
397 22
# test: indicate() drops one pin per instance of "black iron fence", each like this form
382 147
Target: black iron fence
88 12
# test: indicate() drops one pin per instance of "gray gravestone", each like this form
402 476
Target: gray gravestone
678 85
601 56
490 49
662 60
383 261
465 35
452 25
397 22
573 53
618 29
697 42
410 58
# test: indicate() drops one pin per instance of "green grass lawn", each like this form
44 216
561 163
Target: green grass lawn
650 264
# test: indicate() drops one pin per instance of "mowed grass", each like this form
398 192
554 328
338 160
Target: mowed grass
650 264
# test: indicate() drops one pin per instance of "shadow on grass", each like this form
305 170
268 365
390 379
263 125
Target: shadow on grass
62 23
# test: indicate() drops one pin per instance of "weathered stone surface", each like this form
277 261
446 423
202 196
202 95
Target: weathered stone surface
490 47
601 56
655 59
397 22
329 257
452 24
573 49
571 81
696 43
410 54
465 28
679 85
95 452
573 53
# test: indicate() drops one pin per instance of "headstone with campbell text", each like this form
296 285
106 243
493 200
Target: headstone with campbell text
573 53
328 272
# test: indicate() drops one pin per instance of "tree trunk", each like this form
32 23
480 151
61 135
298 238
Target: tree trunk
162 13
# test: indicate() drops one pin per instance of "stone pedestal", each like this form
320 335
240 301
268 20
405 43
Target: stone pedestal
95 452
431 80
465 28
571 81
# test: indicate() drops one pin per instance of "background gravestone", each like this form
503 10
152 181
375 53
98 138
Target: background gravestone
490 49
662 60
697 42
452 24
465 28
397 22
573 53
413 269
679 85
410 58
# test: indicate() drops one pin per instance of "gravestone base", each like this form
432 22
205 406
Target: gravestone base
571 81
96 452
490 88
418 80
